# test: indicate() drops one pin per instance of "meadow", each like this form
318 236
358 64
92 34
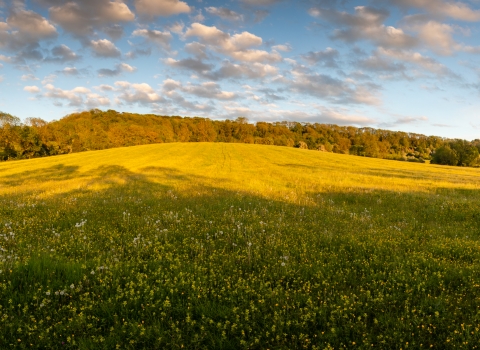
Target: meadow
233 246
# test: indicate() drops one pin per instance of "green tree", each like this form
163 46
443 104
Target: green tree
444 155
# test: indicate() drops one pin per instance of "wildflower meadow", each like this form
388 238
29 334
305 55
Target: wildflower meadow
233 246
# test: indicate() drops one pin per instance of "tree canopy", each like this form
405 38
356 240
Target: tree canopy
96 130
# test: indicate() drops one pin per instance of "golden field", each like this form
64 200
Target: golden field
233 246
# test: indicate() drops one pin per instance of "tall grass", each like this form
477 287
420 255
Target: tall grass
227 246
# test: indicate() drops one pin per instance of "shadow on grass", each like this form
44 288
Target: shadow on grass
55 173
359 246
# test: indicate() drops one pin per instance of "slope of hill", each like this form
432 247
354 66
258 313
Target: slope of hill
97 130
230 246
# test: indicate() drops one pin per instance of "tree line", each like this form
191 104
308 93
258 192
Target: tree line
97 130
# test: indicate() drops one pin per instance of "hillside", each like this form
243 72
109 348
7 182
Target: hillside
98 130
236 246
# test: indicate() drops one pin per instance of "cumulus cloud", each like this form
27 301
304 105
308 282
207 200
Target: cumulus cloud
32 89
81 17
433 34
27 77
454 9
78 97
251 71
365 24
70 71
142 94
438 36
193 64
31 24
61 54
284 48
156 37
197 49
227 69
209 90
104 88
238 46
104 48
24 28
119 69
225 13
164 8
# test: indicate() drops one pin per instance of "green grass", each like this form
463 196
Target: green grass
230 246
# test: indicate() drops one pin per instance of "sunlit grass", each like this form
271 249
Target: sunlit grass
226 246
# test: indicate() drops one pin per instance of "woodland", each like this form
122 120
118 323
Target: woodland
98 130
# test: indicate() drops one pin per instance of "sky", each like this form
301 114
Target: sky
409 65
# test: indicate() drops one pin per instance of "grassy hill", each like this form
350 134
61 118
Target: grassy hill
233 246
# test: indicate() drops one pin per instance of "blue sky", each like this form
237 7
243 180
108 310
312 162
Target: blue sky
410 65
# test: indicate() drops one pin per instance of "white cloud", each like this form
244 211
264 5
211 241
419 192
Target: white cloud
31 24
438 36
23 28
119 69
453 9
209 90
81 17
32 89
284 48
70 71
251 70
177 28
164 8
80 96
142 93
104 48
238 46
225 13
104 88
435 35
196 65
61 54
27 77
365 24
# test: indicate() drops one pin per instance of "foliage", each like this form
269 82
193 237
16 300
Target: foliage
231 246
458 152
97 130
445 156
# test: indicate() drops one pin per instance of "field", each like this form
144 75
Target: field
231 246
